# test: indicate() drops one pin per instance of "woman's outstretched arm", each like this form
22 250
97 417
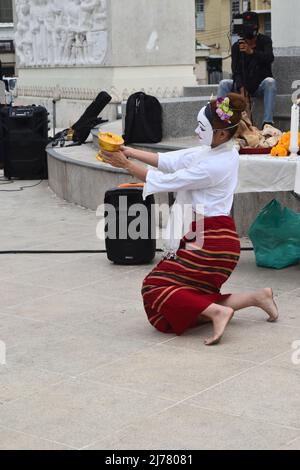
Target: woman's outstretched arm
141 155
192 178
120 160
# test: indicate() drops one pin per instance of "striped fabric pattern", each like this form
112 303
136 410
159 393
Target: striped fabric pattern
177 291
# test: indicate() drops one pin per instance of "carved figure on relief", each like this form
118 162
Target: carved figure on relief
56 32
22 34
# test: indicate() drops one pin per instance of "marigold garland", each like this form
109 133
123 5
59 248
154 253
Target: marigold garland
282 149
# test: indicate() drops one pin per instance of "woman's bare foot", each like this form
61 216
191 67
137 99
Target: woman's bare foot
267 303
220 321
203 320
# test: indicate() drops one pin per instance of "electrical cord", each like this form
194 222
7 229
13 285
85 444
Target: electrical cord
21 188
296 196
57 252
67 252
50 252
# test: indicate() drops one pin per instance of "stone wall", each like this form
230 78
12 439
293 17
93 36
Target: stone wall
94 45
286 40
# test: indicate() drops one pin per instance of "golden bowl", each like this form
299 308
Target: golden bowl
99 157
110 142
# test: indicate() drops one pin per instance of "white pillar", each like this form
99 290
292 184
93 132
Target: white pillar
286 42
285 24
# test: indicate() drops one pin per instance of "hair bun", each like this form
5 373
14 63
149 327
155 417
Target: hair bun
237 102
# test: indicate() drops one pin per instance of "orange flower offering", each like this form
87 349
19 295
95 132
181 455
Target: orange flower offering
282 149
279 151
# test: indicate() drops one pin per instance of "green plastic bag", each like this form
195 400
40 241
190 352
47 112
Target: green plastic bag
275 235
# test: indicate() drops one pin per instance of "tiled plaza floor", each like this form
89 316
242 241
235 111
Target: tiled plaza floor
86 371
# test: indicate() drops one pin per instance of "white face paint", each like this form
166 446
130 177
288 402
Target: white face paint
204 130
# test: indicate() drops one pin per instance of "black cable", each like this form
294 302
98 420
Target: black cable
21 188
296 196
230 44
50 252
227 57
4 182
57 252
66 252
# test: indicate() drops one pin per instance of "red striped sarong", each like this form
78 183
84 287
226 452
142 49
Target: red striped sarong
178 290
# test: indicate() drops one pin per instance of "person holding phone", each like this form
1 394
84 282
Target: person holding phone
252 58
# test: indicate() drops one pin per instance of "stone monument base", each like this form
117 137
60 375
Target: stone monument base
287 70
76 87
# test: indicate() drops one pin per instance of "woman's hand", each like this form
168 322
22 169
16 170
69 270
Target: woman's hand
115 159
119 160
128 151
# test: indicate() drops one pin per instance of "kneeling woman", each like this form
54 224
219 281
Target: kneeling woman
181 292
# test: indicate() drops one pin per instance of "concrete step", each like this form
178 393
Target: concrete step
200 90
283 105
283 123
180 115
286 69
282 115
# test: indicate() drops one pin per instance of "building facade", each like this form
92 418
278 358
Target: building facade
213 34
7 49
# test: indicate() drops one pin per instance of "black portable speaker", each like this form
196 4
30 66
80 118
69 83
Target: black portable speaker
130 226
24 133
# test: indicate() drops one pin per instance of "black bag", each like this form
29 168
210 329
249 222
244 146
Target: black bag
89 119
143 122
82 128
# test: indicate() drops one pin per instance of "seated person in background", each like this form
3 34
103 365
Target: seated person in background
252 59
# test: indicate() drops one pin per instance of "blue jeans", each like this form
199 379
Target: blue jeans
267 89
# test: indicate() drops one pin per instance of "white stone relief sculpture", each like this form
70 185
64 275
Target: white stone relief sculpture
61 32
90 93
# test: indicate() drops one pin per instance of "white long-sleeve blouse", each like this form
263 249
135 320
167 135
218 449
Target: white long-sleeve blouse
210 174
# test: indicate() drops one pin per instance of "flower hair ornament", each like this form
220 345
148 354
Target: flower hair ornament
223 110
